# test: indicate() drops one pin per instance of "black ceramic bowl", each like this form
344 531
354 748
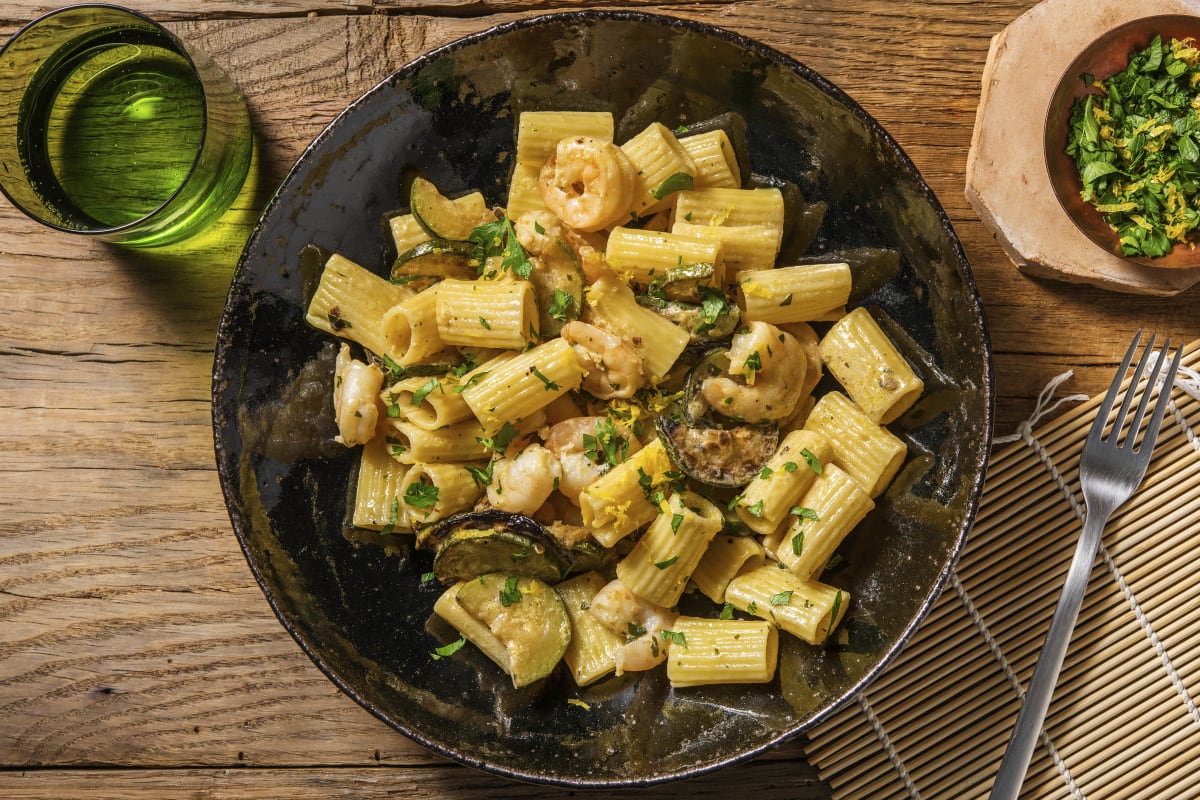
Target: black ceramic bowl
361 612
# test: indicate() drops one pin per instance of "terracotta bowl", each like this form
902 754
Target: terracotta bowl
362 612
1106 56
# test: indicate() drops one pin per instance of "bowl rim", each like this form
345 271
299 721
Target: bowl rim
228 477
1061 170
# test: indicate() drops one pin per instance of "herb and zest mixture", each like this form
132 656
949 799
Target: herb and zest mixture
1137 146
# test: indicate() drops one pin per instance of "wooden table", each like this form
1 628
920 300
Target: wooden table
138 658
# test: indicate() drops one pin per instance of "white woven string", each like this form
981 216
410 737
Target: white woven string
1043 407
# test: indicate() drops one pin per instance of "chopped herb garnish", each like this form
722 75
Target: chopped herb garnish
511 593
798 543
487 325
781 599
482 476
423 391
1137 147
445 651
726 611
500 440
471 381
674 637
803 512
810 458
634 631
676 182
499 239
561 305
421 495
607 446
756 510
790 466
676 521
666 562
550 385
393 517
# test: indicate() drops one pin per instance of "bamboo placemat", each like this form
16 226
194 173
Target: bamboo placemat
1123 722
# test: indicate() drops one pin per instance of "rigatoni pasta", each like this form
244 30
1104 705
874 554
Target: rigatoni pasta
869 366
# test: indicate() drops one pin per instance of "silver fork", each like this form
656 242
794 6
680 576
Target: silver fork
1110 470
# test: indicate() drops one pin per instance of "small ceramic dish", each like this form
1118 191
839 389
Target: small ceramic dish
1107 55
363 612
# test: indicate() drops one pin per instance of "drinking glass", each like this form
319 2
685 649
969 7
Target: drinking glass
113 127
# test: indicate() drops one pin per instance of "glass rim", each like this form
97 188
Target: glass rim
177 44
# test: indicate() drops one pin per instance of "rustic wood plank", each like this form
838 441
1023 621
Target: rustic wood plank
767 778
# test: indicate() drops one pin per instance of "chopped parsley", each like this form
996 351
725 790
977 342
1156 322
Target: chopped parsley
499 441
781 599
675 182
607 445
421 495
674 637
811 459
445 651
666 562
561 305
498 239
423 391
511 593
550 385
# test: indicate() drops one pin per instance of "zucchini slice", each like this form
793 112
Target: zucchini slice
429 262
703 323
527 626
723 457
443 218
478 542
557 279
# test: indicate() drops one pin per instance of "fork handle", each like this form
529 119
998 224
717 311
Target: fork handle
1045 673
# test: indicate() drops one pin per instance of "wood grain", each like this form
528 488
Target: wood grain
132 635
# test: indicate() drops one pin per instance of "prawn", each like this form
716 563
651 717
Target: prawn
639 621
588 183
773 365
614 368
537 231
579 468
522 483
356 388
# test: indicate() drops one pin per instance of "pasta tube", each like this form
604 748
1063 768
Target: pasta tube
425 402
708 651
641 257
592 652
716 163
765 502
869 367
807 609
430 492
486 313
611 305
803 293
539 132
411 328
869 452
350 301
616 504
523 384
656 156
659 565
725 557
377 494
827 513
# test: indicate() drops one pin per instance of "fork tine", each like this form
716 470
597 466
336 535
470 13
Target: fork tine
1164 395
1097 432
1151 380
1119 421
